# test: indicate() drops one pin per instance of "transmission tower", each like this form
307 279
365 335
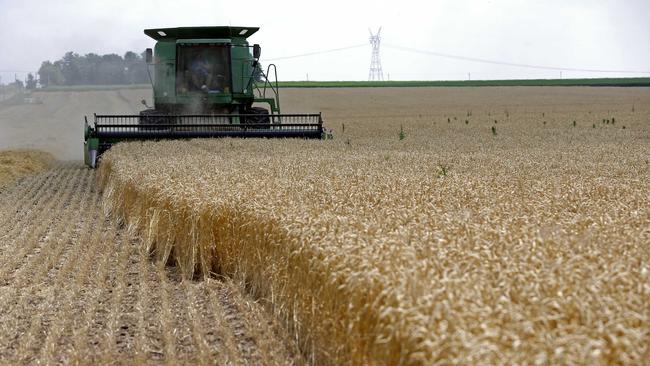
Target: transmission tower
375 72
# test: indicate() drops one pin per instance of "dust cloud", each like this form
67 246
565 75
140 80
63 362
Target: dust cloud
53 121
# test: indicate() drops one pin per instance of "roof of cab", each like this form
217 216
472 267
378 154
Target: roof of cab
200 32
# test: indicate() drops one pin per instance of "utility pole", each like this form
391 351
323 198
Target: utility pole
375 73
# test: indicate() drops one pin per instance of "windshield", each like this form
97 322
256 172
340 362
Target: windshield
203 68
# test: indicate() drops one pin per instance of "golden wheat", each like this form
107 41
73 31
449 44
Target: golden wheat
15 164
451 246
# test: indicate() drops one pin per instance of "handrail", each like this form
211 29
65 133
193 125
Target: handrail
268 84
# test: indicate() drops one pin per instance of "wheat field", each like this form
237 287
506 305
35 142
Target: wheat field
440 226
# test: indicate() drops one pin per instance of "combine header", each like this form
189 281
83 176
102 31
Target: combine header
205 83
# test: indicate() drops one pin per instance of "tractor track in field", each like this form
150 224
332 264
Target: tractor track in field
75 287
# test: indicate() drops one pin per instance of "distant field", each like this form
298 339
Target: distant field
421 83
623 82
94 87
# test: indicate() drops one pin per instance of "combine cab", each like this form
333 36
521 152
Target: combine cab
206 83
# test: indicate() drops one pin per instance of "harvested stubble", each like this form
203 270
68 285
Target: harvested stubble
527 251
75 289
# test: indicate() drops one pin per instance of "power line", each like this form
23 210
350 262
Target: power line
505 63
14 71
316 52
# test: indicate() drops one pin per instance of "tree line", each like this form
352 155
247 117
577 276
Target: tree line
93 69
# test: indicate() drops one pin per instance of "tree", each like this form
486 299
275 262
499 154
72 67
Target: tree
50 74
31 82
111 70
70 67
91 69
135 68
94 69
130 57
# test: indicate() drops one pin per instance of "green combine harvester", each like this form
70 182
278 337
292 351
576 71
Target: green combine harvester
207 82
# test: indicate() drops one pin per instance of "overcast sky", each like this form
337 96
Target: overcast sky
572 34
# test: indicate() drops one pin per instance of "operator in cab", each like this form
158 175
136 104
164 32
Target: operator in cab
206 76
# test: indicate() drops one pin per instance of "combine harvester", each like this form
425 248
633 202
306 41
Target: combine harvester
205 83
